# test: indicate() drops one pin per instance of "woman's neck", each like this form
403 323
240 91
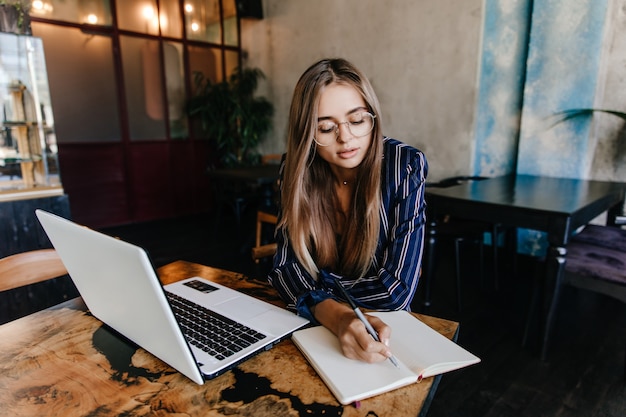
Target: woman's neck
344 176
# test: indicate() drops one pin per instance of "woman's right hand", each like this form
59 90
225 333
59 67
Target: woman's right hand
355 341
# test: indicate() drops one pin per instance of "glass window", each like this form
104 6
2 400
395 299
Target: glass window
231 32
82 65
143 78
232 61
175 88
28 148
93 12
207 61
202 20
170 21
152 58
138 16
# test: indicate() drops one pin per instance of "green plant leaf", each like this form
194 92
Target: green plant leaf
565 115
231 116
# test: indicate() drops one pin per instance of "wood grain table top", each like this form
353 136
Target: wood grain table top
64 362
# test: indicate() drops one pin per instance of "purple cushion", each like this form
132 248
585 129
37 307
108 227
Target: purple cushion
597 262
605 236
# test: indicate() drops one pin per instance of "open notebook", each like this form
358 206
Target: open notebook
421 351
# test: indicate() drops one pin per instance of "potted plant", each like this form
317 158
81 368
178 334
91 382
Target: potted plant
14 16
231 116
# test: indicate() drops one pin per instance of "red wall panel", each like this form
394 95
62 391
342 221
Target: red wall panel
94 178
113 184
150 181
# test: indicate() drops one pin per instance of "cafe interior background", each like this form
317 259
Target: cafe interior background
477 85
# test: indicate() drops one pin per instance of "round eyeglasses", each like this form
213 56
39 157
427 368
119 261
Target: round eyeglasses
358 124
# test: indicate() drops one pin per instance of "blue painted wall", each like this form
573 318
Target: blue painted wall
501 84
561 72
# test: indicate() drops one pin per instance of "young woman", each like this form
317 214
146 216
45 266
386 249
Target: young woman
352 209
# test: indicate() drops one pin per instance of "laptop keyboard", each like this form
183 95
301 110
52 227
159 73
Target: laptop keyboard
209 331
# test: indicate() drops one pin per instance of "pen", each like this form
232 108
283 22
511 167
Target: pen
361 317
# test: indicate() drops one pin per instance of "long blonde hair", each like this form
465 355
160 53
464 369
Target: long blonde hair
308 196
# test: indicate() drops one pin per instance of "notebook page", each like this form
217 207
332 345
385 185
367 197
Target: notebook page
348 379
424 350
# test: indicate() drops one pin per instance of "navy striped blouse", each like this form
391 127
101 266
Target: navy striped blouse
392 280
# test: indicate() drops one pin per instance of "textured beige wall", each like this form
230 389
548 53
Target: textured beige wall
421 56
609 132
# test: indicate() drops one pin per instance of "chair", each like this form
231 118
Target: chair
596 261
17 272
30 267
266 215
242 187
260 249
460 232
271 158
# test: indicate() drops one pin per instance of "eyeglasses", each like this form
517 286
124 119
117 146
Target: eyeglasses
358 124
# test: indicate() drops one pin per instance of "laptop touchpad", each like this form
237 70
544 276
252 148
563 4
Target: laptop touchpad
240 308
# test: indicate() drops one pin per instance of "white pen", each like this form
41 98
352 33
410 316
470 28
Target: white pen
363 319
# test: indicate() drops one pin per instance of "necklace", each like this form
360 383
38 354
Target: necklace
345 182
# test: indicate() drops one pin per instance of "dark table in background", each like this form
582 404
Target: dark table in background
258 174
240 186
557 206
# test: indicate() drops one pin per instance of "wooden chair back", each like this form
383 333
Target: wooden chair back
263 250
30 268
271 158
259 250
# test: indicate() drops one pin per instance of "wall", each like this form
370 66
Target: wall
563 71
474 84
452 76
421 56
502 75
577 60
609 133
577 57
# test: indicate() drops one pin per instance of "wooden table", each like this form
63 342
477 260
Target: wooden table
557 206
64 362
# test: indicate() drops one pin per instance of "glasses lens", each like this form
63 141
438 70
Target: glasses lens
359 124
326 132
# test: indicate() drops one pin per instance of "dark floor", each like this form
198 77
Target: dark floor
582 377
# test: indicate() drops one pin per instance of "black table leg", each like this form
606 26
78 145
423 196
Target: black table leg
429 270
553 282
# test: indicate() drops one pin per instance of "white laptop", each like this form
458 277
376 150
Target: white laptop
120 287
